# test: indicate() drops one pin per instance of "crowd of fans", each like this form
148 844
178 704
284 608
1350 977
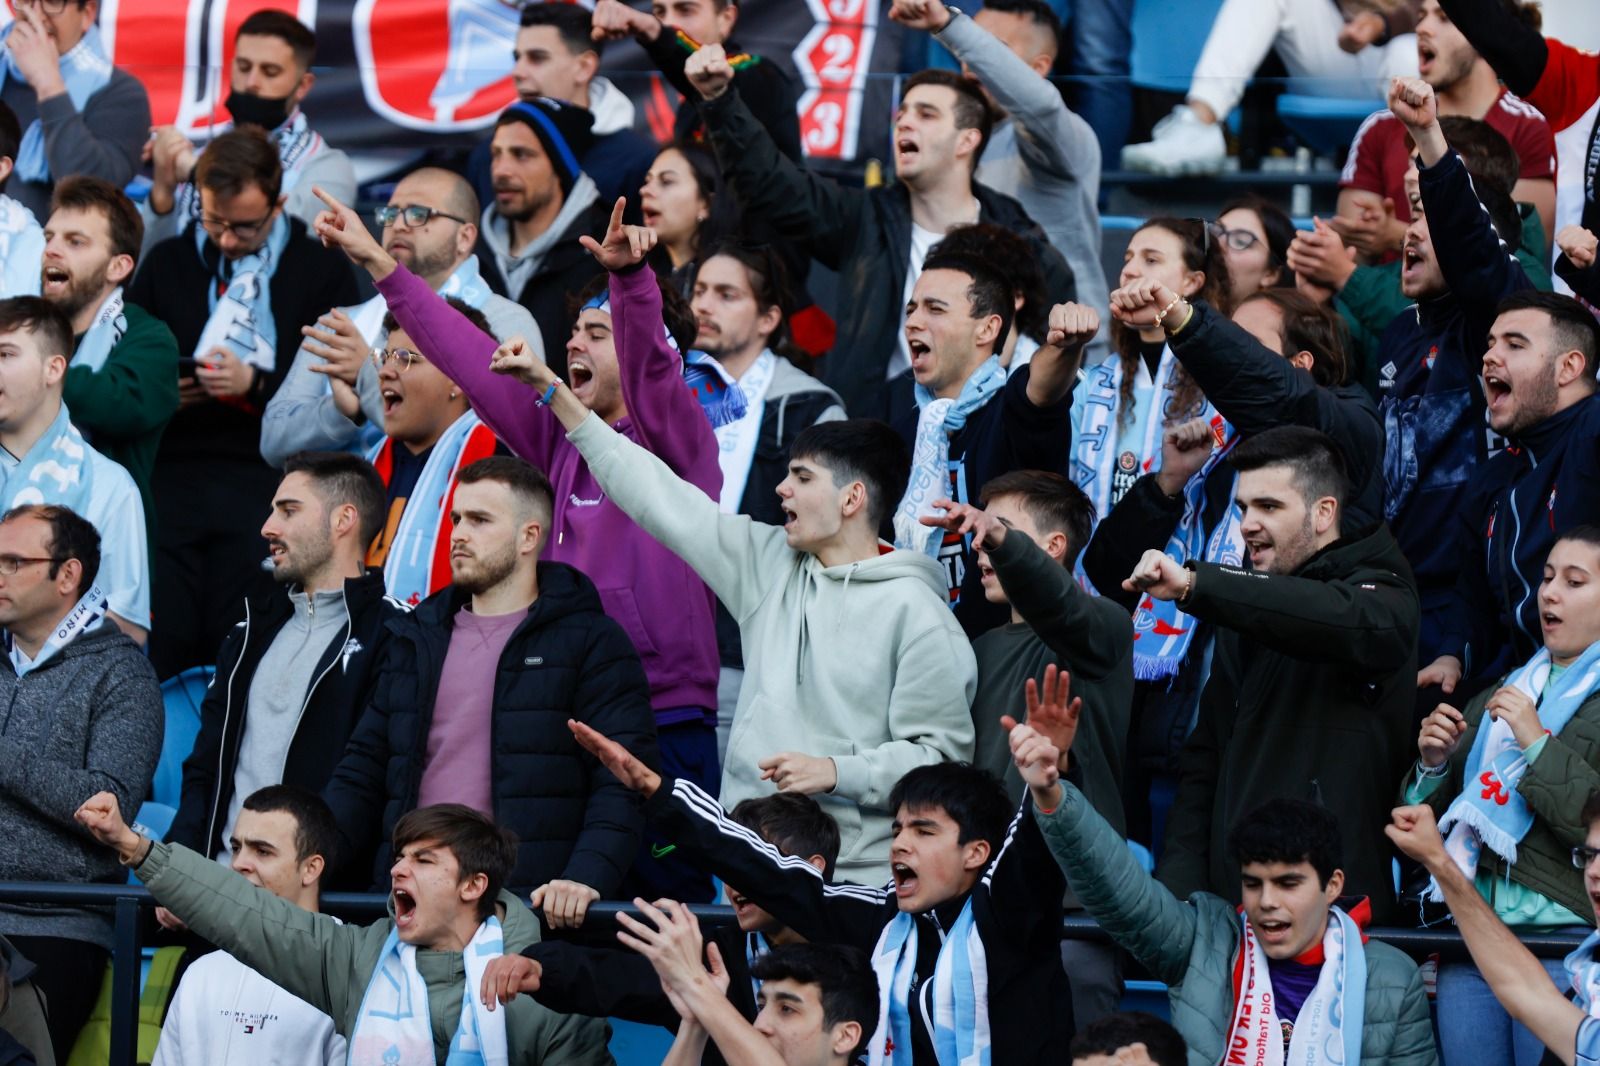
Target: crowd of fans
571 565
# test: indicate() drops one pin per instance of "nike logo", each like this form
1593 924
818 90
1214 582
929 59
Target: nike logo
659 852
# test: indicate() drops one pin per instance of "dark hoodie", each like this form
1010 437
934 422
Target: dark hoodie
567 660
1310 697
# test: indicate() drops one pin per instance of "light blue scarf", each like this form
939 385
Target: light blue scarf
930 456
1095 452
1327 1031
1162 632
21 250
85 68
110 323
1490 811
721 398
393 1026
57 469
960 997
241 318
1583 966
84 616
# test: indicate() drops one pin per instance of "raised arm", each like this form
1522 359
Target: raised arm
1517 979
817 214
450 342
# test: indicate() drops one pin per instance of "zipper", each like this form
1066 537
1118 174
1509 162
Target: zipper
311 690
222 748
1511 559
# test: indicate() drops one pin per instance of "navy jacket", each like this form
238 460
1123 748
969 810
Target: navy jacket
573 819
1008 433
1430 358
1542 485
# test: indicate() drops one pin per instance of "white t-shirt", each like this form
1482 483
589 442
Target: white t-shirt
921 241
226 1014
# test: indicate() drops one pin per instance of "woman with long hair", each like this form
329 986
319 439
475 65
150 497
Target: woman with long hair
683 200
1255 235
1121 410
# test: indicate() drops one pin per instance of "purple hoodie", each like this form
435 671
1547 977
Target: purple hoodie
666 609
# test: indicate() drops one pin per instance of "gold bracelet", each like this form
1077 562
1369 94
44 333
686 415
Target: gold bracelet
1181 326
1162 314
1188 590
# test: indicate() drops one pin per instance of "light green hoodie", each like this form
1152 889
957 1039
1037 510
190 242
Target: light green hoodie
863 663
329 965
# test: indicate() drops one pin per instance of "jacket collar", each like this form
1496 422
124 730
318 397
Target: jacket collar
1541 439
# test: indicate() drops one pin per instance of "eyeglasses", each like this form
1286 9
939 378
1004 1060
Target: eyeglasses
416 215
382 357
49 7
1582 856
245 231
1238 240
10 564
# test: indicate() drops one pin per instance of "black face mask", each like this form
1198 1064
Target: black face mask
248 109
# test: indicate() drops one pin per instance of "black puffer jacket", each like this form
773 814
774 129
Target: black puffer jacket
573 820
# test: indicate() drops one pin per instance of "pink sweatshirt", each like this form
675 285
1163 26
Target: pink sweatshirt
666 609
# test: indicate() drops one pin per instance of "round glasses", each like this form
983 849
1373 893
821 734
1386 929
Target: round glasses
402 357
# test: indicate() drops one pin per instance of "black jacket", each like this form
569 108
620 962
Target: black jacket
1544 483
1016 906
550 293
1310 697
864 234
618 983
340 687
173 284
1255 389
573 820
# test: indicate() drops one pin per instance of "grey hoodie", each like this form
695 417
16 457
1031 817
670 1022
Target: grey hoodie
862 663
88 719
496 233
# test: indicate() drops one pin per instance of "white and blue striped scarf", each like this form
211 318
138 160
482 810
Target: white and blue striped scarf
930 456
85 68
1327 1031
241 317
960 999
1490 811
21 250
1094 452
393 1026
104 334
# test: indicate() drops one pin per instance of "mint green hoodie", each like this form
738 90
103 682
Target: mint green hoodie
329 965
863 663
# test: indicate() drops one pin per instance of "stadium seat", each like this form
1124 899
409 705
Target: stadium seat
633 1044
1325 124
1167 38
182 696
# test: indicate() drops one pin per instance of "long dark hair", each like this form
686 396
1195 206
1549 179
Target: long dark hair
1278 227
769 282
722 212
1200 253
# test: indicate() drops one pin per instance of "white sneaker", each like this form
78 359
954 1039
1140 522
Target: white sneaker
1180 144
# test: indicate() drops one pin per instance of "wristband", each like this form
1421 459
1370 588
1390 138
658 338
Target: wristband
1181 326
1188 589
549 393
1162 314
1424 770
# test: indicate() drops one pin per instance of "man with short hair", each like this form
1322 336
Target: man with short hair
1131 1038
79 114
45 459
122 382
740 301
1311 685
235 287
1538 378
557 54
293 676
1040 151
1286 977
673 30
331 396
401 991
876 239
20 235
83 715
273 52
972 421
804 722
1373 207
473 698
528 247
223 1011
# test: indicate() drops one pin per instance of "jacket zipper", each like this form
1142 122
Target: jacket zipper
222 748
311 690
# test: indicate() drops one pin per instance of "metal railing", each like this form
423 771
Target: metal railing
126 901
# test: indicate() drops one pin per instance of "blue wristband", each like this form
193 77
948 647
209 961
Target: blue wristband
549 393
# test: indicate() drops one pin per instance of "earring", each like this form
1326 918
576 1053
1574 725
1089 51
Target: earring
453 394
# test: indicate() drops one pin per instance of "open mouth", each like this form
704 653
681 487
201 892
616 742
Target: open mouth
391 400
1426 54
650 215
276 551
905 880
788 516
405 908
919 350
1272 931
1495 390
906 150
1412 256
579 375
1549 620
1259 551
985 572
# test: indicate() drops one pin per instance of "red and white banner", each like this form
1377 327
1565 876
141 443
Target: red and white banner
833 61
